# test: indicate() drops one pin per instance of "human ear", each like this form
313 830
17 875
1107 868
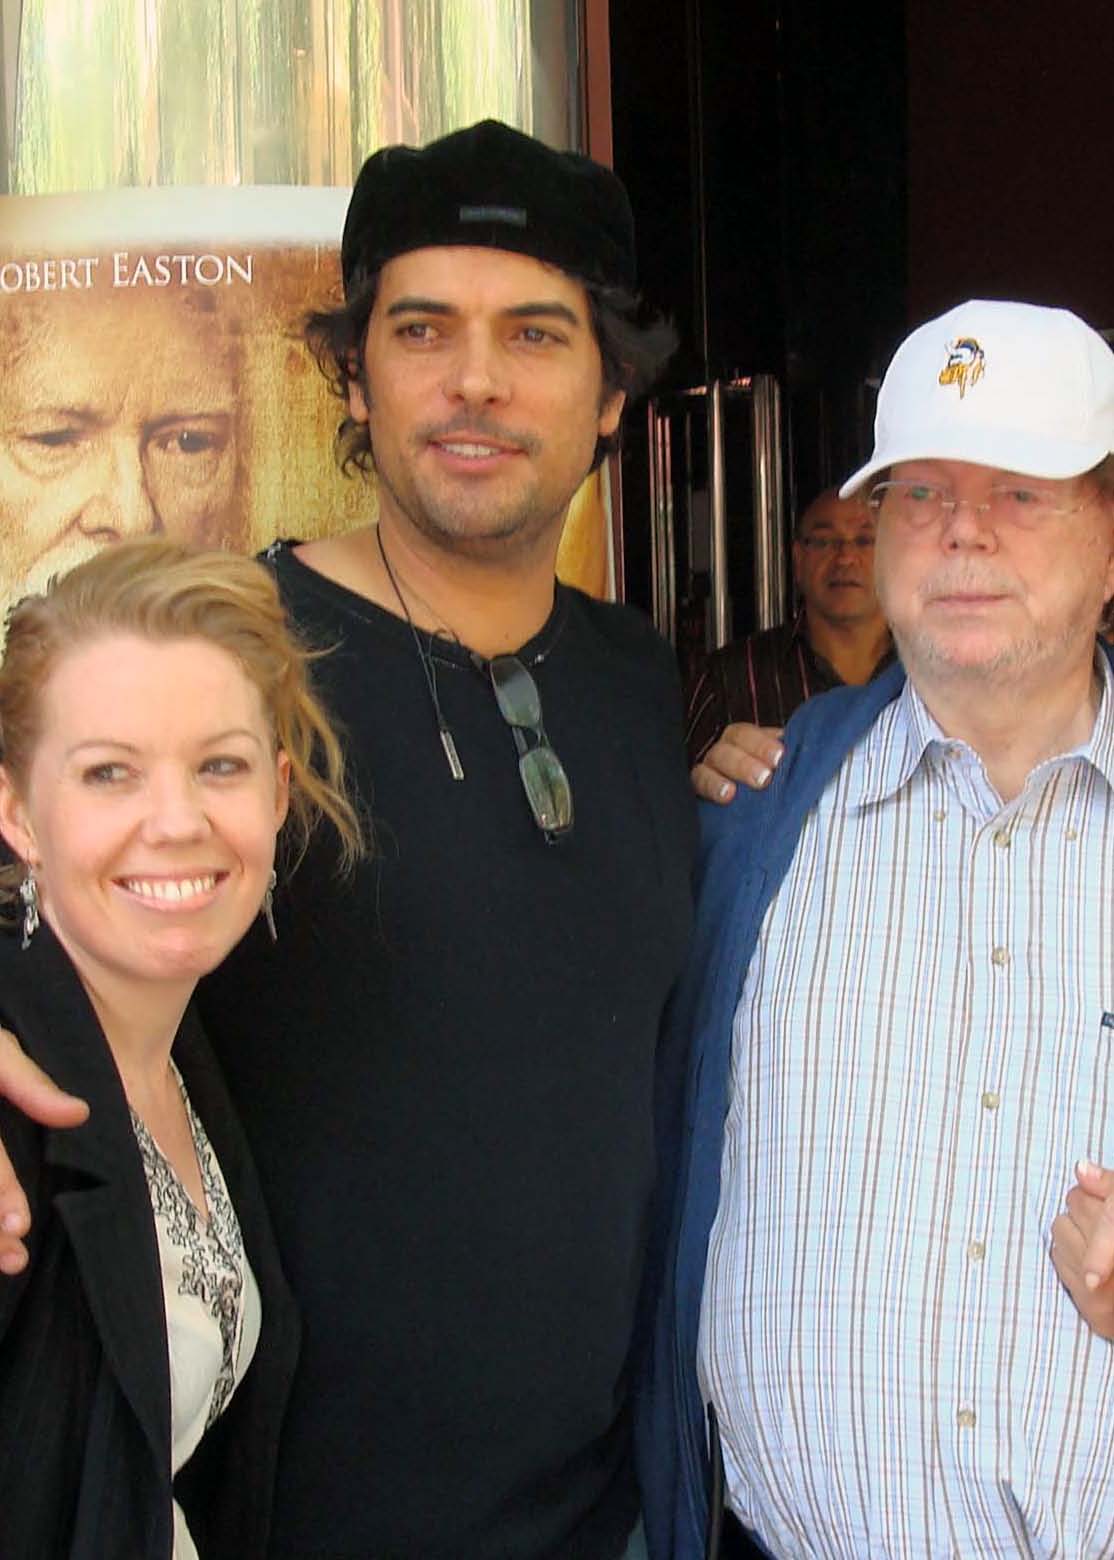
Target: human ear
611 409
282 788
14 823
358 403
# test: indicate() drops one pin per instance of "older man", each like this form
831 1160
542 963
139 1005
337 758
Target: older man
902 998
837 637
120 415
446 1067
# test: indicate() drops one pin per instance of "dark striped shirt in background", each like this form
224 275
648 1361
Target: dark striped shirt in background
760 679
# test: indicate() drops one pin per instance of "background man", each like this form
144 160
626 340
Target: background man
446 1069
118 416
837 636
902 996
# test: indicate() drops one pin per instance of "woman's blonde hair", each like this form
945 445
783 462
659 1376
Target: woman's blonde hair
161 590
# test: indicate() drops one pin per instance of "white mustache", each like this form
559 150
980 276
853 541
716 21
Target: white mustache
966 582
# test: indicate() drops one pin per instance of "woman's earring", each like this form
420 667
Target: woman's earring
267 908
29 893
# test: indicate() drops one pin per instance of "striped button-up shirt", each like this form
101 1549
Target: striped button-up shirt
761 679
921 1053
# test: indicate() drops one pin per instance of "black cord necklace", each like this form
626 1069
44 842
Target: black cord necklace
456 768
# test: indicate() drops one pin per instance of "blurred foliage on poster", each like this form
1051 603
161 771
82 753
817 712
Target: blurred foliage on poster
172 243
100 94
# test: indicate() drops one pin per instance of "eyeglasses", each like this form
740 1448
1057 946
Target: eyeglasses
831 544
543 775
920 504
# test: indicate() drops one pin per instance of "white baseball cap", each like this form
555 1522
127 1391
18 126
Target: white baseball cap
1008 385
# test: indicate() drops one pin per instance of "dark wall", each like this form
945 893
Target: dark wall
762 142
763 146
1011 145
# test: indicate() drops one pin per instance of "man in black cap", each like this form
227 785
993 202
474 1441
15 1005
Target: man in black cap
446 1067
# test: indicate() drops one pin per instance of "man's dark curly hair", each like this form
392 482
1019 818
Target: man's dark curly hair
634 348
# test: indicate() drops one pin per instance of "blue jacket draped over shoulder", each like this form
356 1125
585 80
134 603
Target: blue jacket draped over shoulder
745 851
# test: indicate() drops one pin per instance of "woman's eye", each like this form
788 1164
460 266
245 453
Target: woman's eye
224 765
105 774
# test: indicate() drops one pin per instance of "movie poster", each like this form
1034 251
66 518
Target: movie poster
155 379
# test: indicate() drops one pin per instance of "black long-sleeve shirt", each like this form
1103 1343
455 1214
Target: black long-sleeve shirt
445 1068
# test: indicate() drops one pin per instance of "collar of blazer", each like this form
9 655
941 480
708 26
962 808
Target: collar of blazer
103 1200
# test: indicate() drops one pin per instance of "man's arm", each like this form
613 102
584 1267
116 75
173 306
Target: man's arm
742 754
1083 1246
28 1088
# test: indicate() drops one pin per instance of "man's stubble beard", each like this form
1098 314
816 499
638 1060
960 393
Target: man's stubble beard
518 528
453 528
1010 664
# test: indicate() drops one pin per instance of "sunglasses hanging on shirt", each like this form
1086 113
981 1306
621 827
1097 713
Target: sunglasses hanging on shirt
543 775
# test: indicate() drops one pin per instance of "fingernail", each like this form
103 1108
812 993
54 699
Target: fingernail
763 777
779 758
725 790
1091 1280
1084 1167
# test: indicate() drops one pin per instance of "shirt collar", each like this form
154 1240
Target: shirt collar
905 736
1100 749
796 635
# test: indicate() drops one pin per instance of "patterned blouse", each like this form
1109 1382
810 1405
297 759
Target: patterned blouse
212 1302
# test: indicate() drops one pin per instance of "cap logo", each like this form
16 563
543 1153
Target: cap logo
965 366
515 216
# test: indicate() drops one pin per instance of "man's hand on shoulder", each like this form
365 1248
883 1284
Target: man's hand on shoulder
744 754
27 1087
1083 1246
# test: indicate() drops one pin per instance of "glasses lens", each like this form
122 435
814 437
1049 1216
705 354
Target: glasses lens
547 789
515 691
835 544
913 503
1021 505
543 776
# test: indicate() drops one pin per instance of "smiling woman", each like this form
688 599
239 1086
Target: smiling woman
157 732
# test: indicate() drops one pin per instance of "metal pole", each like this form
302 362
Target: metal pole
655 512
771 571
717 494
669 540
662 562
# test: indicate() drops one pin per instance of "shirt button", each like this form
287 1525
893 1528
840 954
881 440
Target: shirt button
1000 956
991 1100
965 1419
1071 834
939 815
976 1250
1002 839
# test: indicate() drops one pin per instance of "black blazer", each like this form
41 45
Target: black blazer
84 1375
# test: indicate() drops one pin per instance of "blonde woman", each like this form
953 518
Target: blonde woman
158 736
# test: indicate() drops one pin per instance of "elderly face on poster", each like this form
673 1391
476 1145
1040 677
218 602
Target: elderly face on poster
119 416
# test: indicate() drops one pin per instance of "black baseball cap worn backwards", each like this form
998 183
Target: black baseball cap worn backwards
494 188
